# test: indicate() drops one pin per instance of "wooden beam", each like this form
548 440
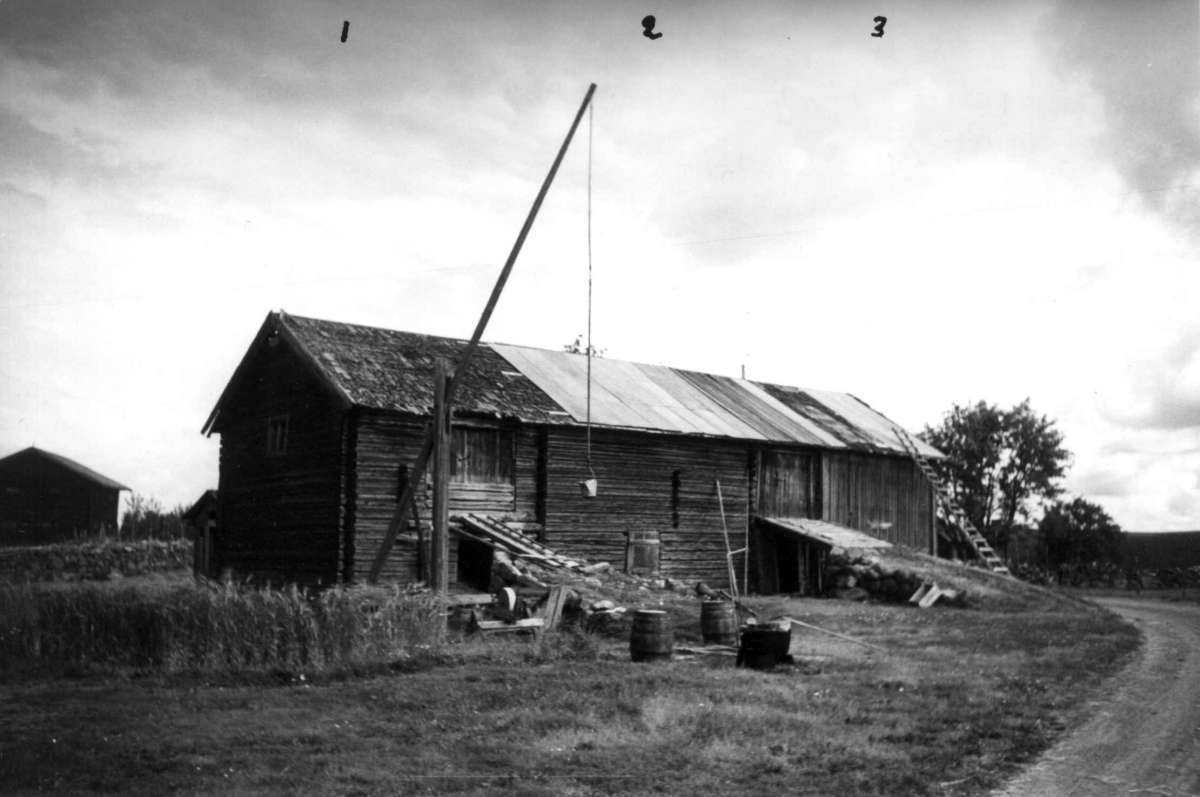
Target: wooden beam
441 478
422 544
422 461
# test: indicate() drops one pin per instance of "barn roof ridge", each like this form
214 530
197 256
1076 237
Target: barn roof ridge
373 368
72 465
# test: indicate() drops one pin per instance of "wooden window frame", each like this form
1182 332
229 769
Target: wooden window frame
503 470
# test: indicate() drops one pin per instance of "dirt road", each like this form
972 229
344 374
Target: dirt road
1144 737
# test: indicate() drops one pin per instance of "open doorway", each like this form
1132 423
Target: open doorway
786 562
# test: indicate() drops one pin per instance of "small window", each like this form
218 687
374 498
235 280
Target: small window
481 456
277 434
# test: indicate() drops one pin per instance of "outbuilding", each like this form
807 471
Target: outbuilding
46 498
321 421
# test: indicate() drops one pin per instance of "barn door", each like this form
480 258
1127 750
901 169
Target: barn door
788 485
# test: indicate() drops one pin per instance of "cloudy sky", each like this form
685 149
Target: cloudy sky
991 201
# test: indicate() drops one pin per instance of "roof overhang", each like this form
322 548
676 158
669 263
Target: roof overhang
821 531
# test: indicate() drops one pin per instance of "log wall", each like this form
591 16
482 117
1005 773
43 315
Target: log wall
640 492
386 442
280 511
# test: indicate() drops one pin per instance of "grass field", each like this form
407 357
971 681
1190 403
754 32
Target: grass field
954 703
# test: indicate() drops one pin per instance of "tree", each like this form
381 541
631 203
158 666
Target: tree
145 519
1000 463
1079 532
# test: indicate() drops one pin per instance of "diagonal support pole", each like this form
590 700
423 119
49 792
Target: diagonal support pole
417 474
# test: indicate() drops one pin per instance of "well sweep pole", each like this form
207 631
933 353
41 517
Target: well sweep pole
417 474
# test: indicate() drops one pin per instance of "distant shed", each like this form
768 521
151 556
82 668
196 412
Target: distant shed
321 420
200 520
46 497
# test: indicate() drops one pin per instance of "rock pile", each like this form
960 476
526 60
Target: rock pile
92 561
860 574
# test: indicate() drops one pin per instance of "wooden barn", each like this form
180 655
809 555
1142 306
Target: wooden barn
46 498
321 421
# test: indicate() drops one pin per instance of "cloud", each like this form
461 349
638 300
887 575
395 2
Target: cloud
1102 482
1164 388
1142 60
1184 504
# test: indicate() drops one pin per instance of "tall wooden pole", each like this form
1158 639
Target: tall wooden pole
418 470
441 478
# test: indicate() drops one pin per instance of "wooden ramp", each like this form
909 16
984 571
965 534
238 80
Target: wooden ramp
499 534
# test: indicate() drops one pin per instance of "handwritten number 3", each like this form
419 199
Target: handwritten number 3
879 23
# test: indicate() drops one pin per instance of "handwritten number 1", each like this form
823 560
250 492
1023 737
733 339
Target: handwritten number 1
879 23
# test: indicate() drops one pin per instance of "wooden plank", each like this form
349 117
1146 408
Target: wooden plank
554 606
470 599
534 624
441 478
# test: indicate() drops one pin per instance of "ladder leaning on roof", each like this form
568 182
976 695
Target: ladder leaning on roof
955 514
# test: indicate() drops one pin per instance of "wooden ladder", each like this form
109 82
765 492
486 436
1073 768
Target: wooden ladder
954 512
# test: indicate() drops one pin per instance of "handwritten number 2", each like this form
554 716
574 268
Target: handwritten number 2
648 24
879 23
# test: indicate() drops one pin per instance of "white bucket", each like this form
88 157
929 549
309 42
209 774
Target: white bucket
588 488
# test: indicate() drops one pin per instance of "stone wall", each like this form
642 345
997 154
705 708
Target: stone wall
92 561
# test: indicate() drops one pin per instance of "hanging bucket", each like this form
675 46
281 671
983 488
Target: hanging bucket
652 637
588 488
718 623
764 646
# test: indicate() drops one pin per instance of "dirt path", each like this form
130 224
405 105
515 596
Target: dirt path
1144 738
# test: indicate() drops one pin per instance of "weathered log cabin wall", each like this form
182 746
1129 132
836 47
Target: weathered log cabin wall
387 444
281 441
868 491
652 484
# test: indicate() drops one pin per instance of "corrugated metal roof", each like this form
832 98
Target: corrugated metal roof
850 420
627 395
656 397
391 370
860 414
828 533
771 418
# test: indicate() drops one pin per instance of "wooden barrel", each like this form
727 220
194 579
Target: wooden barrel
764 646
652 637
718 623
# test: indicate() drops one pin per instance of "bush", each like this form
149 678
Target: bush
213 628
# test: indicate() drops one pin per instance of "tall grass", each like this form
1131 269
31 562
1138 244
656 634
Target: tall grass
216 628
